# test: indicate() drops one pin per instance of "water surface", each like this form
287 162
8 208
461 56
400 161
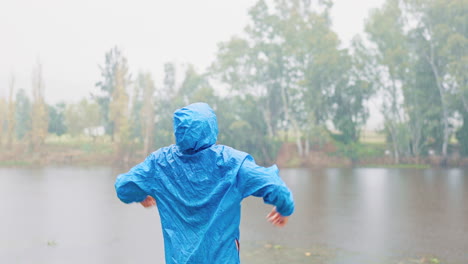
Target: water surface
71 215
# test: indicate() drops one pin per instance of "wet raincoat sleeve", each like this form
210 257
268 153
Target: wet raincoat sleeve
265 182
134 186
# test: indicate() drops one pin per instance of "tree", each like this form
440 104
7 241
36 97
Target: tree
74 119
119 110
91 116
118 107
165 104
143 114
148 113
195 88
22 115
169 87
3 118
462 136
247 66
11 114
115 64
242 126
421 48
355 86
423 106
39 114
290 61
442 39
57 119
136 120
385 30
79 116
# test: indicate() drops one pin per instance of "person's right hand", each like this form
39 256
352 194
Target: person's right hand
148 202
276 218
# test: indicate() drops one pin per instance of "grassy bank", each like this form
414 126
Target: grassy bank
397 166
267 252
361 155
88 151
64 150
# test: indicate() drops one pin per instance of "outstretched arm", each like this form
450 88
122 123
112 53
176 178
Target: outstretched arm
135 185
265 182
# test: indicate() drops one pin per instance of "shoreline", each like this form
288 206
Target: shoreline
104 154
80 161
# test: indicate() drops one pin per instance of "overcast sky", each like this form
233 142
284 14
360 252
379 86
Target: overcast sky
71 37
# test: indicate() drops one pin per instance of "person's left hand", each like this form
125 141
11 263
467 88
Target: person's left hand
148 202
276 218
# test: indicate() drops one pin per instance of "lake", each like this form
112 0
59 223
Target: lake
72 215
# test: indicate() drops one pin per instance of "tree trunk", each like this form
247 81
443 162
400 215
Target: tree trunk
443 102
300 150
267 117
268 156
465 103
146 142
292 121
394 136
416 140
394 119
148 127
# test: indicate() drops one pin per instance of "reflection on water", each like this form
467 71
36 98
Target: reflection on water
373 194
71 215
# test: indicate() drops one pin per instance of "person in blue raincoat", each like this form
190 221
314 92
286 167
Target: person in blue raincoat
198 186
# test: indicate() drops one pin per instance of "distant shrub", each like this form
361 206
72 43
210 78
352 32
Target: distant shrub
357 151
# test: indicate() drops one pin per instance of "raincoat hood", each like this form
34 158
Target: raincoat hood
195 127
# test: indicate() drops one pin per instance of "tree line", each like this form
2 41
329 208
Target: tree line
286 78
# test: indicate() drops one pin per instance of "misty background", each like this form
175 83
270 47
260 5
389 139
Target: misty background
366 82
71 37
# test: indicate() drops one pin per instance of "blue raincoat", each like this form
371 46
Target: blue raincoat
199 186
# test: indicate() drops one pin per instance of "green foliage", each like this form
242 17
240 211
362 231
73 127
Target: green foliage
7 127
194 88
22 115
136 121
357 85
164 109
119 100
419 50
57 119
39 114
358 151
462 136
79 116
147 112
3 118
163 130
291 64
241 125
115 64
